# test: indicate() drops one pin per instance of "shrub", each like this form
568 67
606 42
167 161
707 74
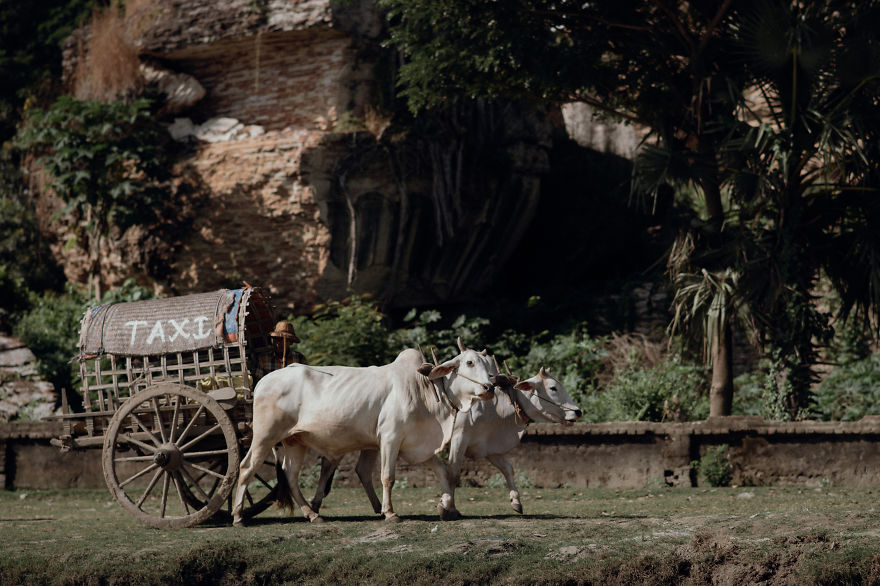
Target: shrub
104 161
670 390
715 466
850 392
747 394
574 358
51 330
349 332
424 330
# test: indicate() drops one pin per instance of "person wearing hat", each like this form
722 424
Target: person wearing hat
282 337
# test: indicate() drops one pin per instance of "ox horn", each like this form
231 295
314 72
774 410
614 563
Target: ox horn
498 368
507 368
461 347
434 356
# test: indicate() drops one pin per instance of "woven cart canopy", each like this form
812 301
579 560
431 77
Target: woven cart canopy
161 326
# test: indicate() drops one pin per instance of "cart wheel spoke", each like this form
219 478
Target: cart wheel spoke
207 433
149 488
263 482
165 480
128 480
137 442
205 471
174 420
155 405
189 425
184 473
146 429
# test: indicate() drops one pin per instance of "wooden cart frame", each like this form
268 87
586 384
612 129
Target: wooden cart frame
167 394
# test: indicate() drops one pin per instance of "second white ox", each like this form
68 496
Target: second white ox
339 409
491 429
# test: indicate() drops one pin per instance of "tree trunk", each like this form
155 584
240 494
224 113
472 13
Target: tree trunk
721 391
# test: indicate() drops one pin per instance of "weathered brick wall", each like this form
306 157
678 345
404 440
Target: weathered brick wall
293 80
626 455
428 215
261 219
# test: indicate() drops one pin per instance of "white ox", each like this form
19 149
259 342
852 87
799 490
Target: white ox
490 429
339 409
494 428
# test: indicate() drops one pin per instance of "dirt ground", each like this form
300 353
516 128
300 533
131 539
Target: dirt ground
821 535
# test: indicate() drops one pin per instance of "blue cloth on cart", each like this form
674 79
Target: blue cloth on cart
231 321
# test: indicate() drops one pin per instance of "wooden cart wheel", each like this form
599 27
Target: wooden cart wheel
171 456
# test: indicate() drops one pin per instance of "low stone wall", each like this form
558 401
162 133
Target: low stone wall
630 454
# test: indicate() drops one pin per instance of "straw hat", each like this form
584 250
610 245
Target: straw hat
284 329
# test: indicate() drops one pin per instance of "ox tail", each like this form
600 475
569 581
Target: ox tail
327 485
283 500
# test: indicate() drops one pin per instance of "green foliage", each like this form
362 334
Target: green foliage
24 254
31 38
425 330
105 162
16 297
50 328
785 187
715 466
670 390
850 392
749 392
103 157
353 332
349 332
574 358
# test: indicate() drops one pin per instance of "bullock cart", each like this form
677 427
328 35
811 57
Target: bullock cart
167 394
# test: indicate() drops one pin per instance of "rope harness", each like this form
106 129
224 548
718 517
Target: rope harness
546 400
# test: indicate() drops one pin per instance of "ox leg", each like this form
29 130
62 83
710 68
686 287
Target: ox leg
388 454
446 507
364 468
294 454
257 454
328 469
506 468
457 449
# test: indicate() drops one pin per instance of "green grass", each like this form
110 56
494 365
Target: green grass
652 535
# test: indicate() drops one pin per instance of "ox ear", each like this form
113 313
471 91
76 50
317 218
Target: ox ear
543 372
525 385
425 369
442 370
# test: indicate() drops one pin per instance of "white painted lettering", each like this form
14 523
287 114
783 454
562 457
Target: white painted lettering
202 334
134 326
156 332
178 329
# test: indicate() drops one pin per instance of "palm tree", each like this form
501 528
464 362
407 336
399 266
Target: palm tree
799 187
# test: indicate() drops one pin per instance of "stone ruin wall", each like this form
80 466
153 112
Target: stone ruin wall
271 142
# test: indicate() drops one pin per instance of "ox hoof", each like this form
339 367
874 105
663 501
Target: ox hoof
316 519
517 507
238 523
448 514
393 518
